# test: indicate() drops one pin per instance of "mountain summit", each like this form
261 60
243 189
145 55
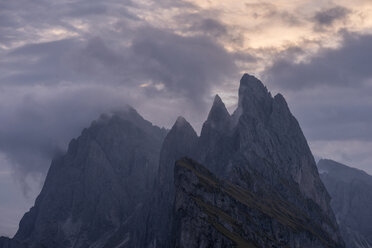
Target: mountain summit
249 180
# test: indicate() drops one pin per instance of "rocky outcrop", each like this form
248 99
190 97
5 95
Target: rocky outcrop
351 193
94 195
210 212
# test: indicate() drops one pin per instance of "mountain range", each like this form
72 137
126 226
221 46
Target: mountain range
248 180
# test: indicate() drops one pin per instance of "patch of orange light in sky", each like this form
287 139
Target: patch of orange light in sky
263 29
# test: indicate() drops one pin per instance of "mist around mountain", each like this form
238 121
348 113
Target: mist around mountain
351 201
248 180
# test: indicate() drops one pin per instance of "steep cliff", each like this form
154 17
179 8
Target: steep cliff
261 148
180 141
210 212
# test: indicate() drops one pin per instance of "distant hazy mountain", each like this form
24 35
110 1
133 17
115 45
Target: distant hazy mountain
351 193
118 185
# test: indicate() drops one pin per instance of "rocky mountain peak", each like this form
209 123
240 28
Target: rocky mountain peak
251 87
218 117
254 98
218 111
127 113
180 141
217 99
180 121
182 126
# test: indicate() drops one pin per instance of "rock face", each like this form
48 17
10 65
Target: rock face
261 148
265 139
115 187
180 141
351 192
94 195
211 212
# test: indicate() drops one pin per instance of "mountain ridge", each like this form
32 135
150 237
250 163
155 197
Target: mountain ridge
122 186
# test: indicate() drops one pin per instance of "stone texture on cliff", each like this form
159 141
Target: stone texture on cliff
351 192
210 212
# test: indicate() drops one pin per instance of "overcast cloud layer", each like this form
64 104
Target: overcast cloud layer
63 63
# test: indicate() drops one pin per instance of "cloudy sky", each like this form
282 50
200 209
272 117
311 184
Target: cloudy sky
64 62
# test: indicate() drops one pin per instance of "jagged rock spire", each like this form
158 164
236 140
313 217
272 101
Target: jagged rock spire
180 141
253 85
218 117
218 111
254 98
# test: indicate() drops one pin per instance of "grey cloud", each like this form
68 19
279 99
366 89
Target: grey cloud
56 88
185 65
41 63
38 122
87 8
12 204
211 26
348 65
208 23
328 17
25 18
182 4
267 12
331 114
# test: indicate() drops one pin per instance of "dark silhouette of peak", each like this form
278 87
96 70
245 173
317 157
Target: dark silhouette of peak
252 87
182 126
